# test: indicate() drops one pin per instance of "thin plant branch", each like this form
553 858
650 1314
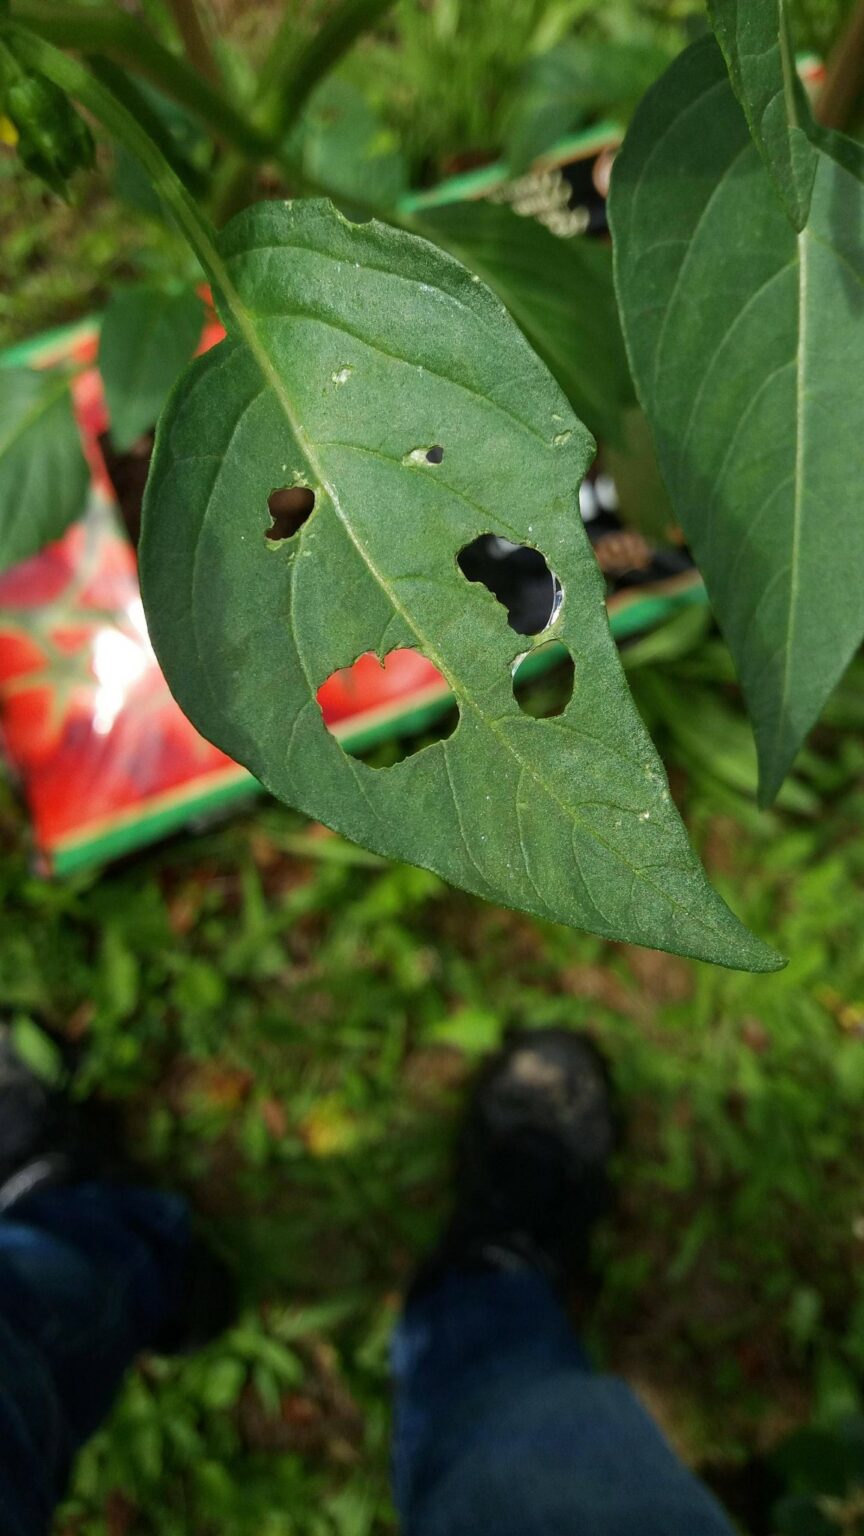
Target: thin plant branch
195 40
843 91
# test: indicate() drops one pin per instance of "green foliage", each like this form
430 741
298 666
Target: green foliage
43 475
285 1022
711 432
352 351
760 58
101 240
291 73
823 1470
53 141
287 1016
455 79
342 144
563 88
747 390
148 335
716 380
818 24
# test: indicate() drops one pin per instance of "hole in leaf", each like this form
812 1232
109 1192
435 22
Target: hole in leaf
543 680
387 711
518 576
431 455
289 508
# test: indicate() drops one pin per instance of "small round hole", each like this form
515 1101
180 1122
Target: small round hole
543 681
289 507
435 454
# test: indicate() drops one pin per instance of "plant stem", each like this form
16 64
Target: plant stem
233 189
844 75
290 75
195 41
122 39
128 91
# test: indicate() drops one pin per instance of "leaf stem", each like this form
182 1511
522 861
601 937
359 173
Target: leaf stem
121 38
290 74
787 63
195 40
127 90
841 94
288 77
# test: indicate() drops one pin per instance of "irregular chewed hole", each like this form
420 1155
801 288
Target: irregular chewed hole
289 508
518 576
387 711
543 680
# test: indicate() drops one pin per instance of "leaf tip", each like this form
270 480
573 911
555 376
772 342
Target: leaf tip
754 955
774 767
773 960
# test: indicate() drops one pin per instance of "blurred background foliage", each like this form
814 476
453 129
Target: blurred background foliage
440 86
286 1023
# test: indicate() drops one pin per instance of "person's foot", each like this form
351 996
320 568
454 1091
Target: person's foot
532 1161
47 1139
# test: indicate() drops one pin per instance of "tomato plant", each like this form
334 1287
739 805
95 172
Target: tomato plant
418 380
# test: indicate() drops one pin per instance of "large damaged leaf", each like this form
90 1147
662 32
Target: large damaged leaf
369 371
740 275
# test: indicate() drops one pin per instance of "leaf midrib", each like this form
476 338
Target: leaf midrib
798 502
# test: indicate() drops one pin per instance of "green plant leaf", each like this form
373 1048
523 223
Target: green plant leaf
564 86
643 500
148 335
342 143
351 350
222 1382
43 474
760 58
746 338
559 292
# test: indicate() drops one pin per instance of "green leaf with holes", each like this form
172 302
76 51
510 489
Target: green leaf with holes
351 351
559 291
147 336
746 338
43 474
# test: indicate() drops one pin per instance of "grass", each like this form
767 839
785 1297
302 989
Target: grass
101 242
286 1023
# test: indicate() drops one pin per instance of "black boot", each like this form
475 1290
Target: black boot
532 1161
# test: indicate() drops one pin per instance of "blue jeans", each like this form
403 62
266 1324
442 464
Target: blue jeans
501 1425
